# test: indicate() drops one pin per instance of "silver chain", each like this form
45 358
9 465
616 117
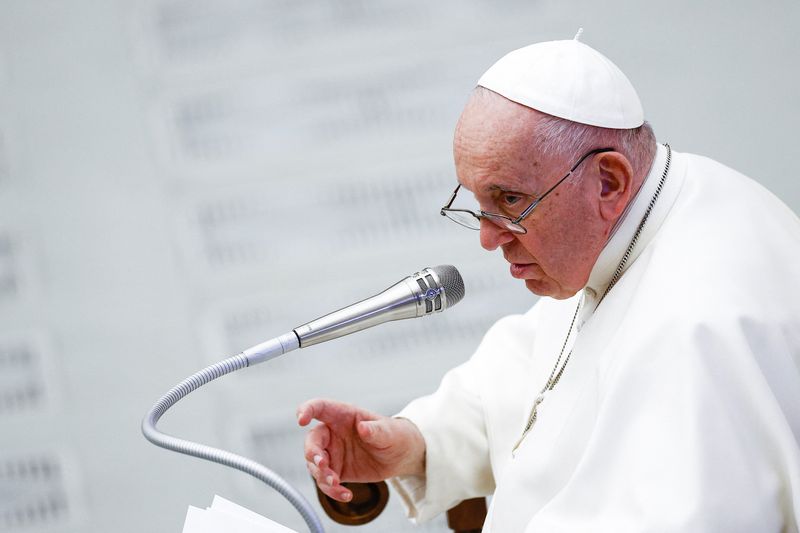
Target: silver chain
621 265
551 381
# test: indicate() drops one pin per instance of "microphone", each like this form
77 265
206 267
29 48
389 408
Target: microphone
428 291
423 293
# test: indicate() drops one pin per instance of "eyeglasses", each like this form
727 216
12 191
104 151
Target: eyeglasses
472 220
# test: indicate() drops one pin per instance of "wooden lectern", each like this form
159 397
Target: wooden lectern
369 499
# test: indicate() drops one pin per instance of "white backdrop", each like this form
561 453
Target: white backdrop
182 179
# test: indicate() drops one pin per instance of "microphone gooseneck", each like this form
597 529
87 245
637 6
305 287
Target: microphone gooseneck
429 291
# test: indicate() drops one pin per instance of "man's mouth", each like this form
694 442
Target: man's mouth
521 270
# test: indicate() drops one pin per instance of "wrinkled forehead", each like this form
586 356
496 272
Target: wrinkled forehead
500 132
496 152
496 117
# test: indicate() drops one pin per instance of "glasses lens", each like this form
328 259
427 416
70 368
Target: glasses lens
465 218
505 223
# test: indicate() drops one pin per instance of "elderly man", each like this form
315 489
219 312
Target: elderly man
657 387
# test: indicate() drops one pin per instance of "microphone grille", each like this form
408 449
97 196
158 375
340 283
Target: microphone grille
451 282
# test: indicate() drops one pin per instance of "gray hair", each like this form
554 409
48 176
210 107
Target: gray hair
565 140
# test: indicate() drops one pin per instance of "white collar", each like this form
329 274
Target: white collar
625 228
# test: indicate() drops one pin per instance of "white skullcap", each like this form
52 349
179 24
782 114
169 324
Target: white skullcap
567 79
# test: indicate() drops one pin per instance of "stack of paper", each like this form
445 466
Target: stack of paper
225 516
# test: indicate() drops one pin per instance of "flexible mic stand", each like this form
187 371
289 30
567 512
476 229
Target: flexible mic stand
428 291
255 355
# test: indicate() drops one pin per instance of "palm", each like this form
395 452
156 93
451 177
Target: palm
356 459
352 444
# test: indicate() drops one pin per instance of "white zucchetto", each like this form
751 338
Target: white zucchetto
567 79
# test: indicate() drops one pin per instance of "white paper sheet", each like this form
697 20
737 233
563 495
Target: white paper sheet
228 517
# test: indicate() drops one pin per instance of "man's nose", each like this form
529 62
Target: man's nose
494 235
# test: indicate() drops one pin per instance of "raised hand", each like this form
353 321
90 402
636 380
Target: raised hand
353 444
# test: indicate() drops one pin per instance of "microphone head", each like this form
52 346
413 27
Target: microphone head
451 282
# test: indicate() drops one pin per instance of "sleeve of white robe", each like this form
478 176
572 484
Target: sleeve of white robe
452 421
689 438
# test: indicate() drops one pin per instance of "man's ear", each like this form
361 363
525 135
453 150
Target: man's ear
616 184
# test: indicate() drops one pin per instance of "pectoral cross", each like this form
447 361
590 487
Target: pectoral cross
552 381
531 419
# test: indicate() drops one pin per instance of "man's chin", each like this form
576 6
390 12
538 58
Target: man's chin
539 287
547 288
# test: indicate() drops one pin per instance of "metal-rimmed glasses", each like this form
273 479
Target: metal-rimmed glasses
472 220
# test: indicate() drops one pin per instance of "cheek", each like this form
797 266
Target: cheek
554 232
566 243
533 245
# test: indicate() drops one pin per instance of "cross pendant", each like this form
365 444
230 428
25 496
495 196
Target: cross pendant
531 420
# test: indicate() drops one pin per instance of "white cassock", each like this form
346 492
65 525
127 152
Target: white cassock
679 410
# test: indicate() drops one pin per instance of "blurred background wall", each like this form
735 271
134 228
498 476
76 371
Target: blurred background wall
182 179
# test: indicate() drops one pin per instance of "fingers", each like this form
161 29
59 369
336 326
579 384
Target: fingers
305 413
320 409
374 433
383 433
330 411
318 464
316 442
328 482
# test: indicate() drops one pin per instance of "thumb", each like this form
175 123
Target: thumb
375 433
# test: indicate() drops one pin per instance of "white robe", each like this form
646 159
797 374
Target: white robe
679 410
